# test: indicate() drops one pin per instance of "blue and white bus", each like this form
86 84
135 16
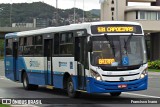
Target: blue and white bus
96 57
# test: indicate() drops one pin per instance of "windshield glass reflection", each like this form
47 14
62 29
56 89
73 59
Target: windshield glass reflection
118 51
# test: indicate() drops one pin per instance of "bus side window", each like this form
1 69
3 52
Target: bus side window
38 46
21 44
29 47
66 43
56 44
8 46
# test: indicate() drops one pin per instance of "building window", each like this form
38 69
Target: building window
158 15
112 18
112 8
112 13
142 15
153 15
112 2
148 15
136 14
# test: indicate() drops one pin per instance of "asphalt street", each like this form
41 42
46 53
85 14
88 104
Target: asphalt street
58 98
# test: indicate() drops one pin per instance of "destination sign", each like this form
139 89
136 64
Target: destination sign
115 29
106 61
98 29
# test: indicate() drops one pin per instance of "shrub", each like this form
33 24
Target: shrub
154 64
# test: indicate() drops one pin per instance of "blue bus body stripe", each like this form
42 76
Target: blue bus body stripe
106 87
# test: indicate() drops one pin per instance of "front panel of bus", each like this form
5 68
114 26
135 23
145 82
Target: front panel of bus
117 59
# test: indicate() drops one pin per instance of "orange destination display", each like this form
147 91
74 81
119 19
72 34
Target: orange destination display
98 29
106 61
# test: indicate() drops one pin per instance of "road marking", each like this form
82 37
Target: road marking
142 95
24 106
3 78
152 77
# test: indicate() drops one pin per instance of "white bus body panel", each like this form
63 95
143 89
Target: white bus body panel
64 64
115 75
35 63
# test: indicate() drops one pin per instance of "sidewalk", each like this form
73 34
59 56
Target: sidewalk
154 73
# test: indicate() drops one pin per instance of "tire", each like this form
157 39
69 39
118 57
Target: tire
70 89
26 84
115 94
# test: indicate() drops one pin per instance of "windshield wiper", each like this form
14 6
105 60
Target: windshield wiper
111 43
127 42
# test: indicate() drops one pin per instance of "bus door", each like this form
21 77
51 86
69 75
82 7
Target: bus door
48 45
80 57
15 60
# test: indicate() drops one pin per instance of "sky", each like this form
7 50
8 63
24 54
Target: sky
64 4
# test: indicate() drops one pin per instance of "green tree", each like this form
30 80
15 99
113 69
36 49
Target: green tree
1 47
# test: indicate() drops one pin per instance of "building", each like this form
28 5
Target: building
40 23
148 16
22 25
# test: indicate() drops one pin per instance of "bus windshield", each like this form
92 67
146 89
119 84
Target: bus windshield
118 50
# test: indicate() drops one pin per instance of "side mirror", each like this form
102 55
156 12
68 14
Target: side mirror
90 46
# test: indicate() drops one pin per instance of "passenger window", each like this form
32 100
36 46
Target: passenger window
66 43
56 43
38 40
38 45
8 46
28 47
21 44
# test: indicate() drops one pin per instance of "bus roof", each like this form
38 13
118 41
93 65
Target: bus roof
67 28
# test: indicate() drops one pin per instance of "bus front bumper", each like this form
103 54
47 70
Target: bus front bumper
94 86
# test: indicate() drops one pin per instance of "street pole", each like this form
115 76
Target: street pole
57 13
83 10
117 9
11 14
74 11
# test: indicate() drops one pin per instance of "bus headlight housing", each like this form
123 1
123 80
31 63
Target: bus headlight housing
96 75
144 73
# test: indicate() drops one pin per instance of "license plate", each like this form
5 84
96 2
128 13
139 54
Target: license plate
122 86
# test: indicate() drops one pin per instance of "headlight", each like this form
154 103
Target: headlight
144 73
96 75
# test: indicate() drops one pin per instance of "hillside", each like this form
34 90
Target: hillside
26 12
95 12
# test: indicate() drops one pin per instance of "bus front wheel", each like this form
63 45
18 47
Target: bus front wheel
115 94
26 84
70 89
